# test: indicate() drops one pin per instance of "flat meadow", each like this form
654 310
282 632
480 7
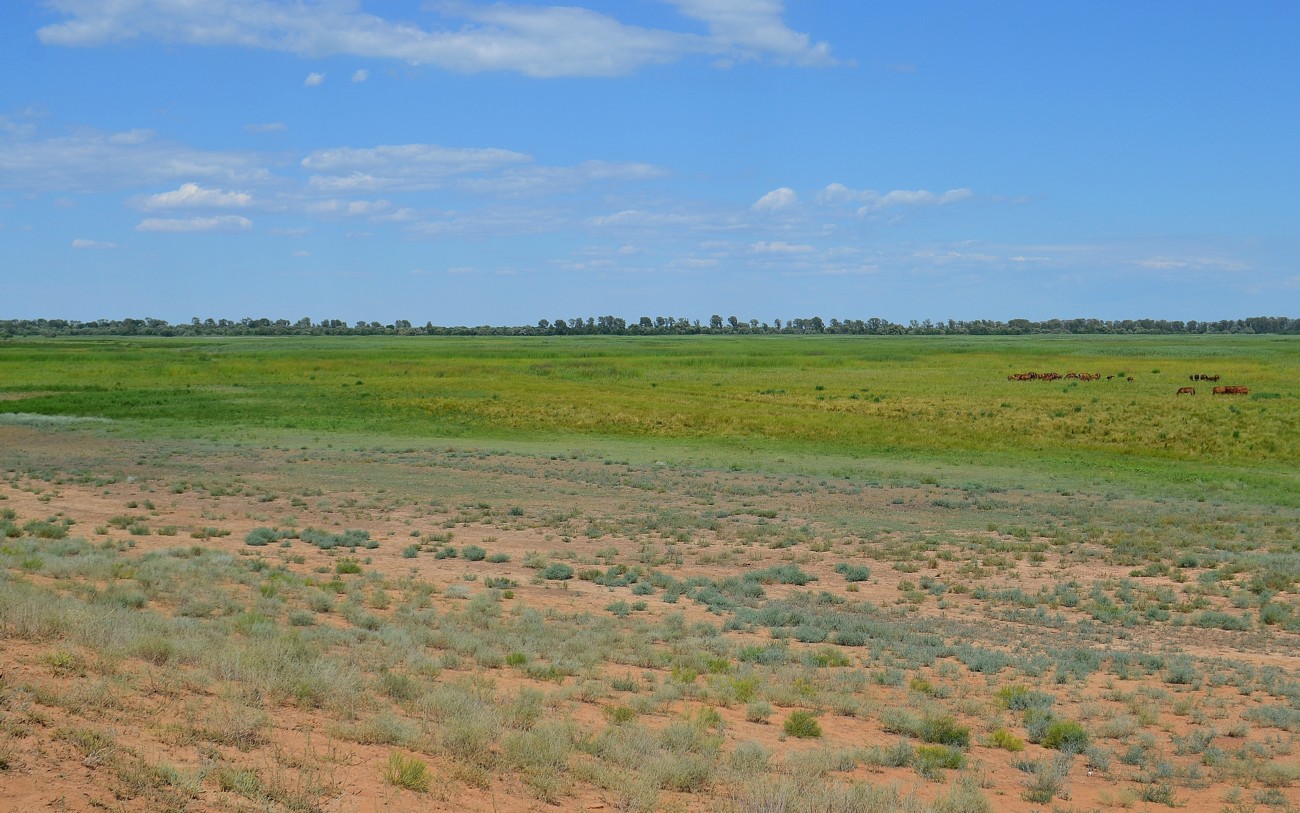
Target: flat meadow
724 573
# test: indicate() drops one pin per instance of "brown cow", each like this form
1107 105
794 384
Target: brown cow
1186 391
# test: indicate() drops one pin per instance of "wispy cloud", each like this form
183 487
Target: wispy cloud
404 166
779 247
192 196
869 200
91 161
360 76
83 243
196 224
542 41
269 127
314 80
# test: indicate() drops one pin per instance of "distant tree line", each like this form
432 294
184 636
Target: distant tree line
645 326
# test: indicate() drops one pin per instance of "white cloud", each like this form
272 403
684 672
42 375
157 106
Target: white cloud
872 201
193 196
314 80
536 40
358 208
775 200
89 161
301 253
361 75
534 180
778 247
196 224
1192 263
754 28
635 217
403 166
83 243
269 127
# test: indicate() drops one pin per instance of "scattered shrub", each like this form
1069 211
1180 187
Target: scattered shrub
1065 735
944 730
407 772
853 573
557 571
802 724
1001 738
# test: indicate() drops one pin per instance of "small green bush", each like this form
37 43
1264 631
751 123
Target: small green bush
473 553
408 772
260 537
802 724
1019 698
557 571
944 730
347 566
853 573
759 711
1001 738
1066 735
930 759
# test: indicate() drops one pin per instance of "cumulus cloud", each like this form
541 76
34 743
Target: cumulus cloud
83 243
196 224
314 80
543 41
775 200
193 196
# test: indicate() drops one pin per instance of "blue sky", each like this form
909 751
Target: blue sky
466 162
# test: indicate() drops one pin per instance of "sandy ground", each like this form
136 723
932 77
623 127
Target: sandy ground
94 479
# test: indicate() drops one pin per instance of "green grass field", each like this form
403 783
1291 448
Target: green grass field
826 401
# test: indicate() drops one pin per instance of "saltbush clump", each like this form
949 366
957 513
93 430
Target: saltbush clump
853 573
557 571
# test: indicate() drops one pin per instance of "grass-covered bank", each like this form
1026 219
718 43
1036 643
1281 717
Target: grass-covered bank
860 397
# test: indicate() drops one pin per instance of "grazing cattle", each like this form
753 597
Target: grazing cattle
1186 391
1130 378
1232 390
1109 377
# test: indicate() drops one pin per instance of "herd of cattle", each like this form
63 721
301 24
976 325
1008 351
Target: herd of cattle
1226 390
1216 390
1055 376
